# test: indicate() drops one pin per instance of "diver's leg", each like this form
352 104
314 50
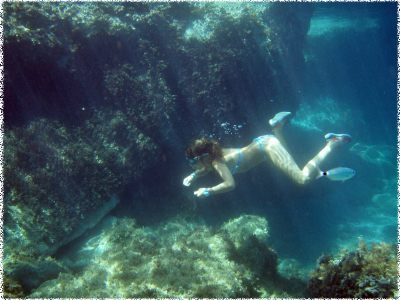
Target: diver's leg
311 170
277 131
333 140
282 159
277 123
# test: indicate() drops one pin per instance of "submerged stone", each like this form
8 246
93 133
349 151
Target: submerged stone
175 259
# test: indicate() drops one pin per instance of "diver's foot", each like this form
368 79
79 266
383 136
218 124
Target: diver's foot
343 138
279 119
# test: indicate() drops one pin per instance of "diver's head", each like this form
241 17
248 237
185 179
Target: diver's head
202 152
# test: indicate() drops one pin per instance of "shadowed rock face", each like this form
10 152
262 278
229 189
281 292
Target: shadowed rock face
60 182
96 93
153 60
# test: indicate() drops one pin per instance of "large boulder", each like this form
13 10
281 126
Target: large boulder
175 259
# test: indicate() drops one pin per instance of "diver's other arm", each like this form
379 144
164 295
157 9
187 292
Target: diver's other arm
227 185
196 174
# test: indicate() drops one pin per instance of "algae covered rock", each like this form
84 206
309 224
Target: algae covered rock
175 259
143 95
368 272
61 181
12 288
176 55
247 237
32 274
244 228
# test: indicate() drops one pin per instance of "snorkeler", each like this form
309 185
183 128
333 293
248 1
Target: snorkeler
205 155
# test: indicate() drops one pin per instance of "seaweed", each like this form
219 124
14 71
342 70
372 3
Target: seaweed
367 272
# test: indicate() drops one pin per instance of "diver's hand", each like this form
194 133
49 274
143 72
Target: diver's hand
188 180
202 192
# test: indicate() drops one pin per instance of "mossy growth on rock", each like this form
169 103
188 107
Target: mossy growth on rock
175 259
247 239
158 60
368 272
60 180
12 288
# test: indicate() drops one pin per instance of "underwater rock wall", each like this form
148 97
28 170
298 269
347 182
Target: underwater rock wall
159 63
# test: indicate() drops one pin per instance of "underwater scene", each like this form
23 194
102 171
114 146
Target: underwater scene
200 150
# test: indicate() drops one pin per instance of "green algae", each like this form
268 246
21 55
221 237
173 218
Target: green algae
176 259
367 272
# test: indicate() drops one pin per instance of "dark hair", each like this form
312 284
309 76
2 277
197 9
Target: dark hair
204 147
